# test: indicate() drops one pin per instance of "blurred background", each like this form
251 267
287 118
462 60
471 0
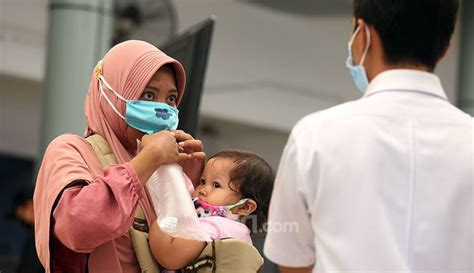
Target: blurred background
254 67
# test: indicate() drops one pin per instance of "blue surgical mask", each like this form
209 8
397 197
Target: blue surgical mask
358 73
148 117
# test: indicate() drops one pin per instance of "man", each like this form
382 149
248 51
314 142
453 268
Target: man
384 183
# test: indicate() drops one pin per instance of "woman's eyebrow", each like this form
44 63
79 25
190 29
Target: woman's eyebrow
152 87
173 91
158 90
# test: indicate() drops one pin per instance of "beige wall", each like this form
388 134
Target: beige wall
220 134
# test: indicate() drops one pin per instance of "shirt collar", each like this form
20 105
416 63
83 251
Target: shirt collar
406 80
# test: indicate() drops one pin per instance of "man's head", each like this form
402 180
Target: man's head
408 33
23 206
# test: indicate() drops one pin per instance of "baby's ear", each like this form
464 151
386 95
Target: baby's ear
246 208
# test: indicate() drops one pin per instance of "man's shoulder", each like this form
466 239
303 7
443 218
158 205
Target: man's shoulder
332 114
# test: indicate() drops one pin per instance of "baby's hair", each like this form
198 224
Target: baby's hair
253 178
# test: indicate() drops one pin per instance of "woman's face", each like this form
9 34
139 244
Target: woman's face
161 88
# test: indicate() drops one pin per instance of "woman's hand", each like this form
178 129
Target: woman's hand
191 156
156 150
162 147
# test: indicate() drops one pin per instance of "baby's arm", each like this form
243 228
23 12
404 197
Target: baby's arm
172 252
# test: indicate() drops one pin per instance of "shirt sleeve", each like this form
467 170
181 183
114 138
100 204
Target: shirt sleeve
290 236
88 215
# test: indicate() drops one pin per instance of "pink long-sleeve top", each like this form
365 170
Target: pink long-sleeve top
89 215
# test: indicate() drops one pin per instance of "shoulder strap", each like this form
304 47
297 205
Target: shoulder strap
139 230
102 149
227 255
106 157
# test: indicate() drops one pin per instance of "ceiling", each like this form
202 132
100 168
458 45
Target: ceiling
306 7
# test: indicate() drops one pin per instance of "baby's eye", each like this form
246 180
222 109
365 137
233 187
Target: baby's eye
216 185
202 182
148 95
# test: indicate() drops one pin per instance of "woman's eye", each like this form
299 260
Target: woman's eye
172 99
148 95
202 182
216 185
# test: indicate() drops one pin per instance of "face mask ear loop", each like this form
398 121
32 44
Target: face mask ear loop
367 46
108 100
241 202
101 78
353 37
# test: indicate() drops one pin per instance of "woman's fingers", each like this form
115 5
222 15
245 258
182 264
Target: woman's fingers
196 156
190 146
199 155
184 157
180 135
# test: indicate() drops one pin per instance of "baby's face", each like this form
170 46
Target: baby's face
214 185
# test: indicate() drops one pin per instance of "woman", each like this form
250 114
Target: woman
82 211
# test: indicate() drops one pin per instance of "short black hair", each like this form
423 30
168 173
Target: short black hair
21 197
253 178
412 31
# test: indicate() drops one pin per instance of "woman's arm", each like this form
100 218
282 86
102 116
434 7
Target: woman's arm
171 252
88 215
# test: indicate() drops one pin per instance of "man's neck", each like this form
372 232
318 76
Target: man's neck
384 67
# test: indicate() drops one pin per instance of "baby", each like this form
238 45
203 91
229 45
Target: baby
234 184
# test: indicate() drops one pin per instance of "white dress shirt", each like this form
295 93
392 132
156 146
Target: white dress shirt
381 184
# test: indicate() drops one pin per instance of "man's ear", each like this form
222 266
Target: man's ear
246 208
360 41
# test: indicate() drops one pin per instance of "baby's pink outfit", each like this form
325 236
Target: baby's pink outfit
218 227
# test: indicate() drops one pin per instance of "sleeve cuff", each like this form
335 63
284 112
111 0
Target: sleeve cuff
136 183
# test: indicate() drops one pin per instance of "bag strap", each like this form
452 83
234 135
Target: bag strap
102 149
202 262
106 158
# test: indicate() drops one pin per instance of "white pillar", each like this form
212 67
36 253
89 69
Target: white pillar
79 35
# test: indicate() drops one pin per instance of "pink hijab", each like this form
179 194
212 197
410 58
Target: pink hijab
127 67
